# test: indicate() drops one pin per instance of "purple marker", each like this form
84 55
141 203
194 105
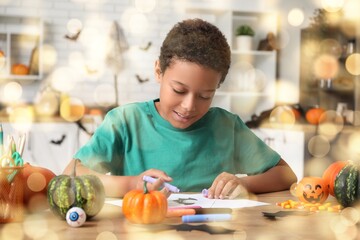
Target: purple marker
205 192
167 185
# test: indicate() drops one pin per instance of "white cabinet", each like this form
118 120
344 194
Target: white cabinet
289 144
250 85
20 43
49 145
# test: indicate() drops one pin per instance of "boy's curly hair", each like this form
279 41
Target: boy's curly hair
196 41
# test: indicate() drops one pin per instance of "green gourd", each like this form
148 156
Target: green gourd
347 185
86 192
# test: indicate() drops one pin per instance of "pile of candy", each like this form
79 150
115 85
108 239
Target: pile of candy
313 207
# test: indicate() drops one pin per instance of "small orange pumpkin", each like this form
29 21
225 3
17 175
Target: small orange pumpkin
313 115
20 69
144 207
312 190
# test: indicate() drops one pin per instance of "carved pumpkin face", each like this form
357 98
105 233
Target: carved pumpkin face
312 190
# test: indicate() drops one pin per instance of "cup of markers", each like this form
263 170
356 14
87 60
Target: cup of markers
11 183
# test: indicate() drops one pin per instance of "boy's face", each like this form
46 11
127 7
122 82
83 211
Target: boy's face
186 92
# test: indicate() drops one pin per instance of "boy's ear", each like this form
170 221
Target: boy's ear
157 71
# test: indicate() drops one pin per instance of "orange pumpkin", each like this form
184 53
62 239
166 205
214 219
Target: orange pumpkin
20 69
35 189
313 115
312 190
330 174
145 207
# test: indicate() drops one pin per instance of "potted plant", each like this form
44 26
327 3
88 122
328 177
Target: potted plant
244 37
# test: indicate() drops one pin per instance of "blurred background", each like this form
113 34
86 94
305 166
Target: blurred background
65 63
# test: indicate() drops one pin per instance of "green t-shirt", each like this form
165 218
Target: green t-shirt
134 138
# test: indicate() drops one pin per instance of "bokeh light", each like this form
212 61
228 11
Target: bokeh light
326 66
64 79
332 5
106 235
316 166
49 57
35 226
349 216
36 182
331 46
352 64
331 124
76 60
296 17
12 92
138 23
282 115
286 92
11 232
22 118
47 104
72 109
353 145
318 146
145 6
351 11
104 100
74 26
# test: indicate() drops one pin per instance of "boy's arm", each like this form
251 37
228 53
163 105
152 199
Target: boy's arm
277 178
118 186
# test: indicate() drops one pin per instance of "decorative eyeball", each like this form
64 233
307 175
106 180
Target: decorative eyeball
75 217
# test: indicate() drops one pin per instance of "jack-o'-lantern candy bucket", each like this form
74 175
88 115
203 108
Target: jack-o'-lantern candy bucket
312 190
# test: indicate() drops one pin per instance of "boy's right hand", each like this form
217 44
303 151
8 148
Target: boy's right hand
155 173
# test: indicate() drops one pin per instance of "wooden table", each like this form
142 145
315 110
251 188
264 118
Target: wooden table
248 223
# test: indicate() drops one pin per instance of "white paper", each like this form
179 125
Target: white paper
175 200
180 200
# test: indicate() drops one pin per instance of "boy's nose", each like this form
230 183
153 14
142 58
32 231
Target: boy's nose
188 103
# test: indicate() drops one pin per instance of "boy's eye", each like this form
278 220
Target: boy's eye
178 91
205 97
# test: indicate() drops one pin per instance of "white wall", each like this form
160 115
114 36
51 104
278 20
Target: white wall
99 14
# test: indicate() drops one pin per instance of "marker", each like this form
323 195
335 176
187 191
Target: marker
179 212
213 210
205 192
186 207
167 185
205 218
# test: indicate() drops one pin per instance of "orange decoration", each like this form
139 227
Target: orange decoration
30 192
144 207
20 69
330 174
312 190
313 115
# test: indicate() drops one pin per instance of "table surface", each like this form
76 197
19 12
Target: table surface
247 223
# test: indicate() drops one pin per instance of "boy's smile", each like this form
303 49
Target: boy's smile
186 92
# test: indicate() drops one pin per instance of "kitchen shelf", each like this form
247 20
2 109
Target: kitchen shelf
21 42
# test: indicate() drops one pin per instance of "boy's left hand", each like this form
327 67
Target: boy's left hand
226 185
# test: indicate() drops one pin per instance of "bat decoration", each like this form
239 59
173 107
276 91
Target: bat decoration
73 37
203 228
58 142
148 45
141 80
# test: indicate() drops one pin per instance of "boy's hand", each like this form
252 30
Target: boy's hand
155 173
226 185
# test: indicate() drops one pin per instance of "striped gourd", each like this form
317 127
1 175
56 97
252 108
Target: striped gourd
86 192
347 186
